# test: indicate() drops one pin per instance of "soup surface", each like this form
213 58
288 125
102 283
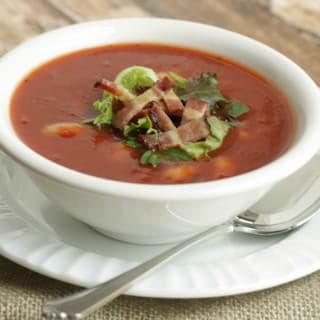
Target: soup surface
63 91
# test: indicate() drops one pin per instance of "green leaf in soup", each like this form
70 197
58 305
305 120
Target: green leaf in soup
181 82
200 149
150 157
103 119
218 128
104 106
136 76
204 88
176 154
143 124
133 142
236 109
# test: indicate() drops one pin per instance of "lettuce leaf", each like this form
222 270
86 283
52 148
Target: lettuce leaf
104 106
143 124
197 150
236 109
218 128
181 82
204 88
136 76
133 142
176 154
150 157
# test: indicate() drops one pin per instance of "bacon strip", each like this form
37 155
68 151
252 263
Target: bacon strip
162 141
160 118
134 104
194 109
124 116
173 103
123 94
192 131
165 83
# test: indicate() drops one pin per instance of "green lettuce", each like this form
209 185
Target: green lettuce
104 106
143 124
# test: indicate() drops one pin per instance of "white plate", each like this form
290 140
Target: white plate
37 235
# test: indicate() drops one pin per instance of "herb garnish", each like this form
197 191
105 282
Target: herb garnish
187 138
203 88
143 124
150 157
104 106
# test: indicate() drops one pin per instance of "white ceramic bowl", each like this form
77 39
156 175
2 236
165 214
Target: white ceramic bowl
158 213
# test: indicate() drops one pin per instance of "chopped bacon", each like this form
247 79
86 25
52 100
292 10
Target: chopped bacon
160 118
151 141
130 110
165 83
194 109
123 94
161 141
143 113
192 131
173 103
169 139
174 123
134 104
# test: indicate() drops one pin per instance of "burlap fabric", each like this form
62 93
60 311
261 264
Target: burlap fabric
22 292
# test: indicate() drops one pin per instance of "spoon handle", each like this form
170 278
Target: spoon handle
79 305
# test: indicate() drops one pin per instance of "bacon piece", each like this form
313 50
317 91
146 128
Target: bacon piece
173 103
134 104
124 116
162 141
151 141
165 83
194 109
192 131
160 118
169 139
123 94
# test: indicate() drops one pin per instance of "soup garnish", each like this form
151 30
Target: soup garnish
169 117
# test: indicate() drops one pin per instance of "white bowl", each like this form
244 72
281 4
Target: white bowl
158 213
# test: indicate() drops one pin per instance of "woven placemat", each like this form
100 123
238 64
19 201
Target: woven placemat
22 293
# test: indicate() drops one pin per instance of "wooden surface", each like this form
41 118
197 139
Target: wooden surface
290 26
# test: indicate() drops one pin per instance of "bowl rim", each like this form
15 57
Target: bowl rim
293 159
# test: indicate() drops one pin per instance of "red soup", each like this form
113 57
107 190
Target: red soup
60 95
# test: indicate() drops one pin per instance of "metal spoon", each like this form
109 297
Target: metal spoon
79 305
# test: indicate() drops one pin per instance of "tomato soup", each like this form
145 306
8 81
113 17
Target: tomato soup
62 91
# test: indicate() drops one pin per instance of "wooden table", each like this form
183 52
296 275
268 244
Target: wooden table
291 26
